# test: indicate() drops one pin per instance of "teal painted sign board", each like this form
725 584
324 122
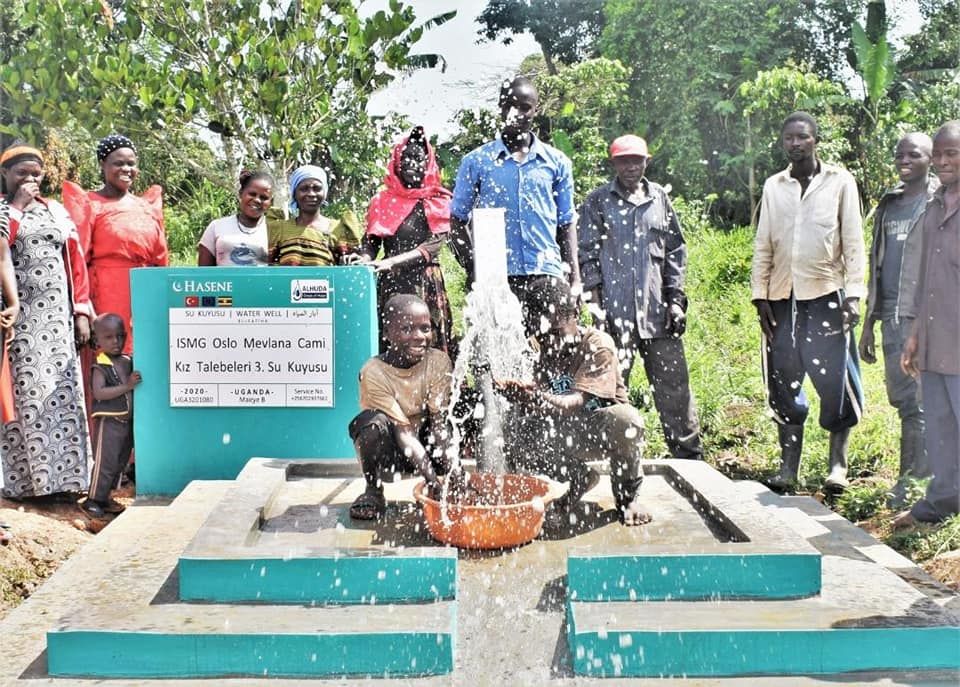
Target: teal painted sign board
240 362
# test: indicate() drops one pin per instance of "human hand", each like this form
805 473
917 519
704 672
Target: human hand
434 488
8 333
516 391
908 356
81 330
134 379
9 315
354 259
26 193
676 320
868 347
384 265
850 311
765 314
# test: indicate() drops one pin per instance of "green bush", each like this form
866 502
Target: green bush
186 220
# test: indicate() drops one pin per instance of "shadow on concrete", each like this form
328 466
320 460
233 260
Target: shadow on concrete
37 668
921 613
561 663
553 596
584 517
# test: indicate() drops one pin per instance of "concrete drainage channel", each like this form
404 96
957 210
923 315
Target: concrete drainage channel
267 577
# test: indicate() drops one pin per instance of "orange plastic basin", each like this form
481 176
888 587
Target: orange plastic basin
514 517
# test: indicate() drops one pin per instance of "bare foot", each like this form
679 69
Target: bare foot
903 521
633 514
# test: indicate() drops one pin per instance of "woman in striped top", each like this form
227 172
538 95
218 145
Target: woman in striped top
310 239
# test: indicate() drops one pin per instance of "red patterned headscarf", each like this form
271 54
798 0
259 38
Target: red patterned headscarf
391 206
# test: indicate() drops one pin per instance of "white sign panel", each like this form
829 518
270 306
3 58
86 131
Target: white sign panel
246 357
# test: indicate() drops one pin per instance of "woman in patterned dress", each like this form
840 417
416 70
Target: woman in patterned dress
118 230
410 221
308 238
46 448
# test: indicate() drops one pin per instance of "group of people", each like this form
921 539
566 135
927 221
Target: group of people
60 265
623 255
626 258
808 278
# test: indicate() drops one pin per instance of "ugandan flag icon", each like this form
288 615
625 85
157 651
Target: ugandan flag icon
191 301
224 301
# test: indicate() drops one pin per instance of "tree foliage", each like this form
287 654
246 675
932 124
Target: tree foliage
278 82
580 106
566 30
687 60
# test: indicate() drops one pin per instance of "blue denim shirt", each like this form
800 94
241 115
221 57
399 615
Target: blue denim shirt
635 255
537 196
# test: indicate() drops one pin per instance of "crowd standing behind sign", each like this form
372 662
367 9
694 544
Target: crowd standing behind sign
227 356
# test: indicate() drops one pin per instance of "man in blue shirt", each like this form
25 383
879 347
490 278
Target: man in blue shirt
533 183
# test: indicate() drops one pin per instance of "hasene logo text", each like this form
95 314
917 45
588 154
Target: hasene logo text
193 286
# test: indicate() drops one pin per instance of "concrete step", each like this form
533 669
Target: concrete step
283 534
832 534
865 618
131 623
744 553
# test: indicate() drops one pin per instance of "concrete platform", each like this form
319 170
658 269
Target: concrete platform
283 534
511 606
866 618
749 555
131 623
876 611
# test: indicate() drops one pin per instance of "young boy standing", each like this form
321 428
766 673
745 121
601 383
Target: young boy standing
577 409
404 394
112 380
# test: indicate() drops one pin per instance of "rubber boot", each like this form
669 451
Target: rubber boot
791 448
836 481
913 460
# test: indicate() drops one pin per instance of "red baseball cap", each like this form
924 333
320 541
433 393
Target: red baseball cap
628 145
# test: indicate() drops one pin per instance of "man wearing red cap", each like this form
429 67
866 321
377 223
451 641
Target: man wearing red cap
632 264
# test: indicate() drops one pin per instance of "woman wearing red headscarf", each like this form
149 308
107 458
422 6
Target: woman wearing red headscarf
410 221
118 230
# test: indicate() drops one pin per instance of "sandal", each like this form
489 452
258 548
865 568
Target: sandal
370 505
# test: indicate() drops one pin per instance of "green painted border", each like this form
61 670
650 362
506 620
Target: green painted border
658 577
344 579
88 653
178 445
729 653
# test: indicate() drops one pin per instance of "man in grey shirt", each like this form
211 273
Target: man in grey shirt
894 270
632 264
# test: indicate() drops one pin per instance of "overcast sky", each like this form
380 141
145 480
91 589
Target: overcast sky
474 71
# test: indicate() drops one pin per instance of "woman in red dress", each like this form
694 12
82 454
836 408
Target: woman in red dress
118 230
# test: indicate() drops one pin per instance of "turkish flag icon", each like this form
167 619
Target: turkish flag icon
191 301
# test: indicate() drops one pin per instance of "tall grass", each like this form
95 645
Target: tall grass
723 351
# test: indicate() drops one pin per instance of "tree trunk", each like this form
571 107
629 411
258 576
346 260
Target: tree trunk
548 60
751 174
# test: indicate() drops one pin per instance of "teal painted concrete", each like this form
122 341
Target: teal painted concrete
657 577
143 654
346 579
731 653
176 444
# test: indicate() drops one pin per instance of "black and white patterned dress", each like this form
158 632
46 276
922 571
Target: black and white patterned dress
46 450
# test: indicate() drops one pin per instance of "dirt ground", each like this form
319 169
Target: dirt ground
42 534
